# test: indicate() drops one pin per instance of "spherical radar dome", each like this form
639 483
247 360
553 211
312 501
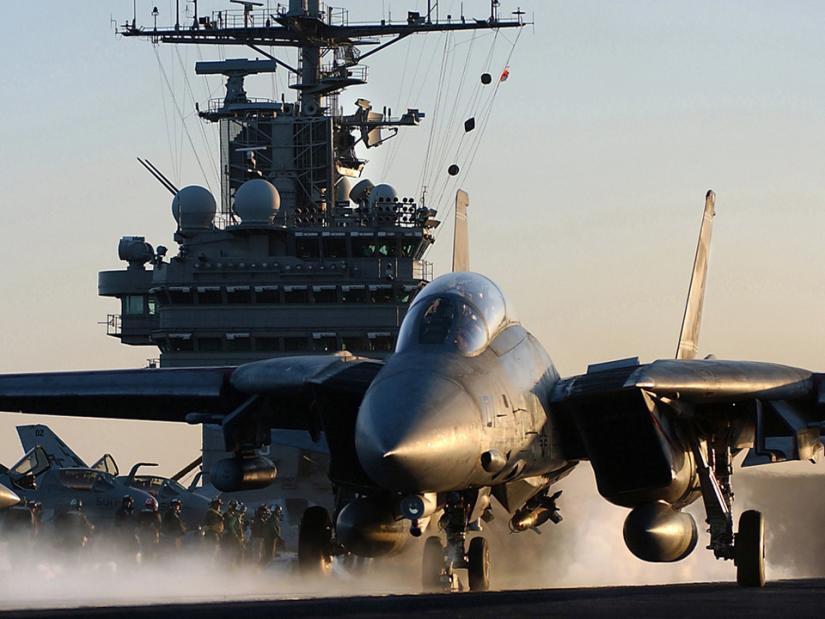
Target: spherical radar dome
194 207
257 201
382 193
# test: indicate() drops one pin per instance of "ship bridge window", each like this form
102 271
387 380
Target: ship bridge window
408 247
334 247
386 246
296 344
238 294
353 294
363 246
380 342
355 343
325 294
296 294
407 293
133 304
238 342
152 305
381 293
209 295
180 295
307 247
267 294
210 344
324 342
267 344
181 342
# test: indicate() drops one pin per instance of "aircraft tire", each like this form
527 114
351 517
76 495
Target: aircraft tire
749 550
314 541
432 563
478 559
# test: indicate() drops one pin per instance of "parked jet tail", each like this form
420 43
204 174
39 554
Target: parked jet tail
55 448
692 320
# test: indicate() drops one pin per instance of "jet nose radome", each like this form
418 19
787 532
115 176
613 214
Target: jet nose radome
7 497
418 433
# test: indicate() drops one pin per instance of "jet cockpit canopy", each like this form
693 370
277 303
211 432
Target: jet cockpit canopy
456 311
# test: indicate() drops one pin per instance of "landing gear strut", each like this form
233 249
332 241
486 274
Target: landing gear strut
451 566
747 547
315 541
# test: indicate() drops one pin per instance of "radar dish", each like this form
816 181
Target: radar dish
194 208
257 201
382 193
361 191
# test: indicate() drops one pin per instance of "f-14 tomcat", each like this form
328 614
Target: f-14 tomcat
469 409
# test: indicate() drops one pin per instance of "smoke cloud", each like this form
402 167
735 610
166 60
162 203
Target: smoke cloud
586 549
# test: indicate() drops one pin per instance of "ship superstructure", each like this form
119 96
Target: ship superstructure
293 256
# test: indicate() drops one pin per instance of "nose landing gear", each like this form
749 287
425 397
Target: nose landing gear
450 567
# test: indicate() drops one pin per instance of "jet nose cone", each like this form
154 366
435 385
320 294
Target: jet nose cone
418 433
7 497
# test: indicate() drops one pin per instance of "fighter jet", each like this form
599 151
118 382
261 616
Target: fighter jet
164 489
36 478
470 408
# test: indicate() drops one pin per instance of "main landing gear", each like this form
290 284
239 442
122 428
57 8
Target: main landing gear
451 567
747 546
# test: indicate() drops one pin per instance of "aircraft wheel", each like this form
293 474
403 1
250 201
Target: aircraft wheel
749 550
314 541
478 558
432 564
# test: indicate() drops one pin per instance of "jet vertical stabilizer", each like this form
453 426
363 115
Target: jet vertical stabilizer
57 450
461 237
692 320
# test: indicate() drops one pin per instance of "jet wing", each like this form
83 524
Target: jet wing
778 410
696 381
170 394
152 394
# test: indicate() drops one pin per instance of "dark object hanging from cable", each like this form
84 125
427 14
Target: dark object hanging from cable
486 78
453 170
469 124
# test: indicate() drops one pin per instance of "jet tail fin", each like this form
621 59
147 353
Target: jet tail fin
461 234
692 319
56 449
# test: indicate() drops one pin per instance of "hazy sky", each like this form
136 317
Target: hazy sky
586 190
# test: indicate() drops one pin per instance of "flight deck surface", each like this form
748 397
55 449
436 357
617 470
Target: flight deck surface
788 598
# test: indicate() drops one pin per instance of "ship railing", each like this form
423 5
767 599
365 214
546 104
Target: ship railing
217 105
423 270
114 325
332 73
257 18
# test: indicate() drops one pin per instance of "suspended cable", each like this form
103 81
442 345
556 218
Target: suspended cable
436 115
183 123
200 124
459 180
